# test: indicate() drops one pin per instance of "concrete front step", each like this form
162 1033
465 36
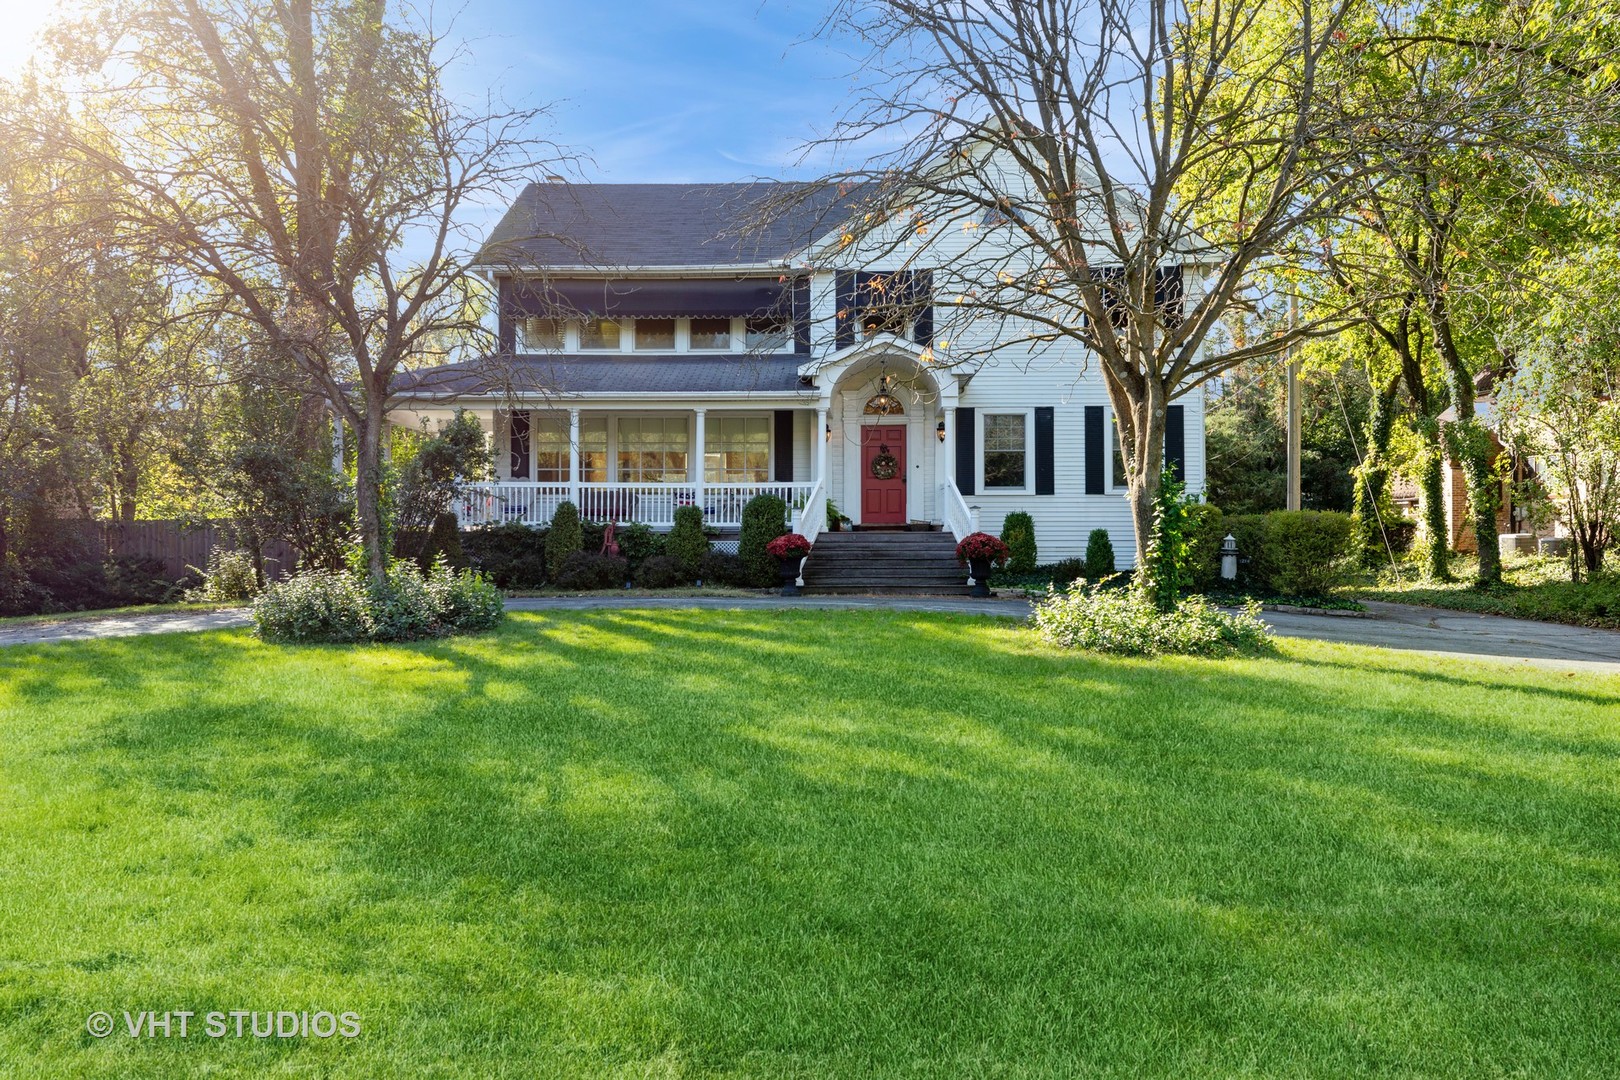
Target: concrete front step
893 563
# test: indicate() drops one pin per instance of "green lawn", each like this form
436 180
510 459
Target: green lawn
1532 588
780 844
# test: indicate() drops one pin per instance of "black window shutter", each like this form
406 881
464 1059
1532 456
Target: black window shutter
1175 440
966 481
784 446
518 426
1094 450
506 316
801 315
844 299
922 288
1045 467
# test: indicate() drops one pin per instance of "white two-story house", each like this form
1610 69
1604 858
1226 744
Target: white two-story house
654 354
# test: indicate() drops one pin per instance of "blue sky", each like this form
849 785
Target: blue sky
663 92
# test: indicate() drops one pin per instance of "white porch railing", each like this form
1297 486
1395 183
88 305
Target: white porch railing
496 504
959 517
648 504
810 517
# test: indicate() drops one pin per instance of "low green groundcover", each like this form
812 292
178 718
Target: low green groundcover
806 844
1125 621
342 606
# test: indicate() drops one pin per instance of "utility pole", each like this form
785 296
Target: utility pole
1294 502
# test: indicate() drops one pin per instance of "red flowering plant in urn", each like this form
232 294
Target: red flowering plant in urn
789 550
978 550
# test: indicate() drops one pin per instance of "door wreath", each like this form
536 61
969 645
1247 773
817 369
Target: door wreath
885 466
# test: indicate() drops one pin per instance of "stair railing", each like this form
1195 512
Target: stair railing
959 517
808 521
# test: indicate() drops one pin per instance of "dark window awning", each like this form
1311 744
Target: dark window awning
656 298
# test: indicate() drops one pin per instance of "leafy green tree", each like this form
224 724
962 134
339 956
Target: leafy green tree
1561 405
305 161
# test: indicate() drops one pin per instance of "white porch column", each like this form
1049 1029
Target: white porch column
699 438
950 443
820 435
573 456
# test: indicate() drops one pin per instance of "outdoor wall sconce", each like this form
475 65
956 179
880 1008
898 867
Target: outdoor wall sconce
939 430
829 433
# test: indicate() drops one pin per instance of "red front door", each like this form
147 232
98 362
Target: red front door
883 475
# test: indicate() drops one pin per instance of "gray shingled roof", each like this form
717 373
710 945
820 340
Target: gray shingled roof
597 374
629 225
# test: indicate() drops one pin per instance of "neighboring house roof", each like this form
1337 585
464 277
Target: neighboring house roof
658 225
596 374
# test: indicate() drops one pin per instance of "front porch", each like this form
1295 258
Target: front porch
531 503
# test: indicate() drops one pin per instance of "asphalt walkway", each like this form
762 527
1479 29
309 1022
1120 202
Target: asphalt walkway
1432 631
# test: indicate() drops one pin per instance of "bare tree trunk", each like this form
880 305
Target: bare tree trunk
1142 439
369 508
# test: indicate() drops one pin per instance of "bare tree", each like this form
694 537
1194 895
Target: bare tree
304 158
1126 170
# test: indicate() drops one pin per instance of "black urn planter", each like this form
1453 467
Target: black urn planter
979 569
790 574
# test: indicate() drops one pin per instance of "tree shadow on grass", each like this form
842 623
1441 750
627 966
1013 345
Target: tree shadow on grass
777 842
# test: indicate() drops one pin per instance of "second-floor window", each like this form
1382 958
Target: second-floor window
767 335
542 335
710 333
603 334
655 335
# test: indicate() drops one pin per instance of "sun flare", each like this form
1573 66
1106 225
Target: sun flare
22 20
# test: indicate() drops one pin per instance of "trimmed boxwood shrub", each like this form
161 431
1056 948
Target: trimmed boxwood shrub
638 543
1297 553
764 518
662 572
686 544
721 568
1303 551
444 541
586 570
1018 533
511 555
1099 555
563 539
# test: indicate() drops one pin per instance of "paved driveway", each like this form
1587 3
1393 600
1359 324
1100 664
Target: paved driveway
1392 626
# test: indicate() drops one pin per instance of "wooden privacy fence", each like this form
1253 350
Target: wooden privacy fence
181 544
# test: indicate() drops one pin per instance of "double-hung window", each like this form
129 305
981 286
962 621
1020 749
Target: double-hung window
653 449
737 450
600 334
1006 451
551 451
709 334
655 335
1117 479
